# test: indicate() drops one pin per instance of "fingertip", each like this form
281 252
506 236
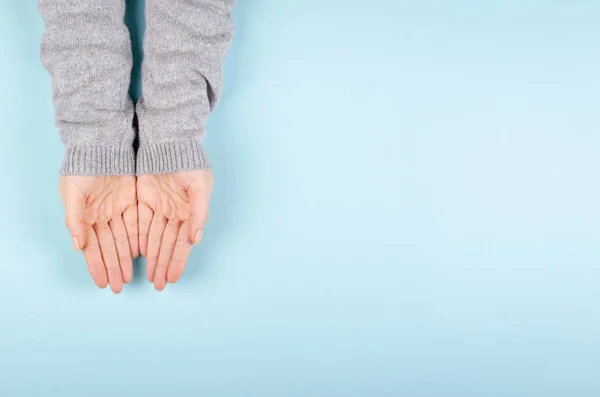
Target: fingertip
127 278
117 289
99 278
159 286
101 285
150 269
173 277
127 270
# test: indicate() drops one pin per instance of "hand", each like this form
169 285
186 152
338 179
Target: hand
101 215
172 211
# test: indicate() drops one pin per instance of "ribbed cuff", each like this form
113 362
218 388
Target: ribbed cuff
168 157
98 161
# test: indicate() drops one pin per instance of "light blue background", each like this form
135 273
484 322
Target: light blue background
406 204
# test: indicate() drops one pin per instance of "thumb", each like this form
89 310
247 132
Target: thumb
199 214
74 218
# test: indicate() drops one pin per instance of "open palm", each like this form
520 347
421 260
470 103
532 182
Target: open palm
172 211
101 215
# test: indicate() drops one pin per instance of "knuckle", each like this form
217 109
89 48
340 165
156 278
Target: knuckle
177 262
173 224
112 266
183 214
178 259
95 264
107 247
92 250
203 216
181 243
121 238
103 220
102 225
70 222
167 247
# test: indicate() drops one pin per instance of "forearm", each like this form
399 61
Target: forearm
185 46
86 49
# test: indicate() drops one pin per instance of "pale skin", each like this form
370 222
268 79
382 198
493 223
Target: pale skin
112 219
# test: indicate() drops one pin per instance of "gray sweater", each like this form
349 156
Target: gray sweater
87 51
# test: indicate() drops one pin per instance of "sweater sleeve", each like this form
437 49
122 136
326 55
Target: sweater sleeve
185 45
86 50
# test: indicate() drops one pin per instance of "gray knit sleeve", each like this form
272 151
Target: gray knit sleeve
185 46
86 49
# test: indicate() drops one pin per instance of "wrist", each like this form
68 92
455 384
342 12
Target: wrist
169 157
85 160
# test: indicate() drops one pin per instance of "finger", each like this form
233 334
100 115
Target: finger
167 246
157 227
75 217
145 215
199 199
183 248
130 217
93 258
123 251
109 255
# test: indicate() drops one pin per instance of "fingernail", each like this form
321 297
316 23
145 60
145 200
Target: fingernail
76 244
197 239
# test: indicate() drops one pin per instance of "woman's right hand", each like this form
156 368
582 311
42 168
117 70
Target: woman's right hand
101 215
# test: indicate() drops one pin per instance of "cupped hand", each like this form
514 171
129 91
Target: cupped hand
172 211
101 215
